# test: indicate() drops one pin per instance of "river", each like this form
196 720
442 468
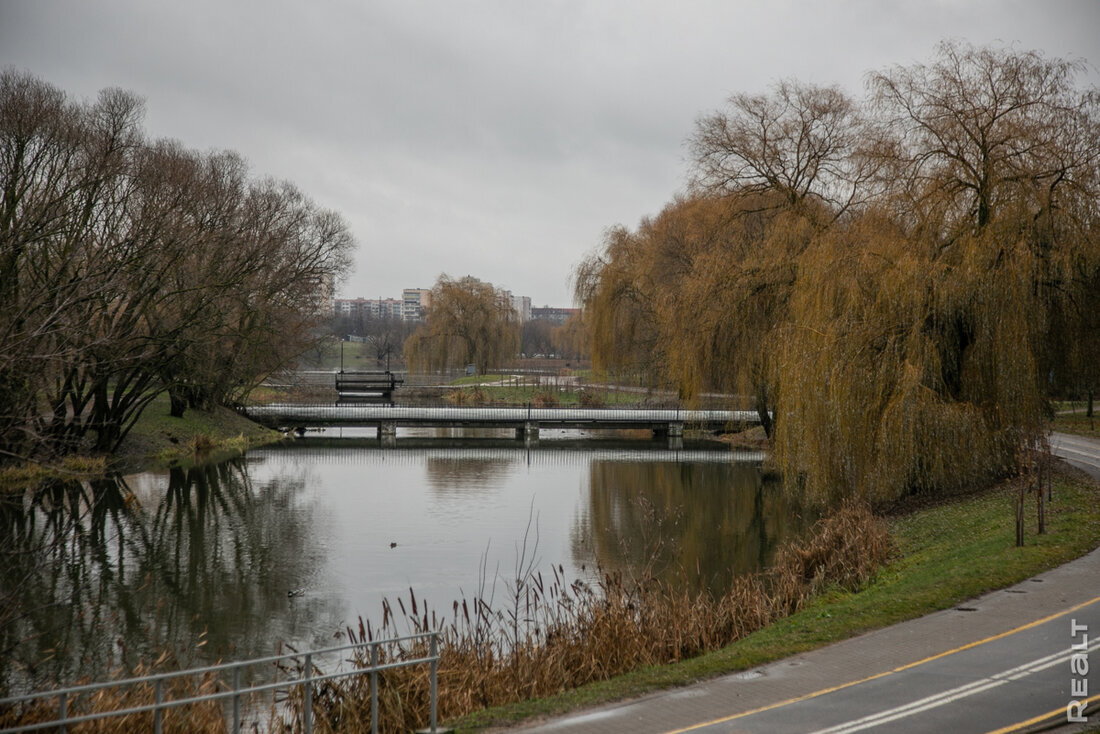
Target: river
295 542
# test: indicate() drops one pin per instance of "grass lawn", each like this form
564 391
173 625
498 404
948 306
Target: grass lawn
199 435
565 397
478 379
944 555
157 439
356 356
545 394
1077 423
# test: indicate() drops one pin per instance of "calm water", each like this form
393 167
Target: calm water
109 573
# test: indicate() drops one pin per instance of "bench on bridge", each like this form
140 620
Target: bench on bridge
366 387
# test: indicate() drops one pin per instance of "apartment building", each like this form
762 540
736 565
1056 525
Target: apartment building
381 308
416 303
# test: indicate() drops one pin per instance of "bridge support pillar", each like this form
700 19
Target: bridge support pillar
387 433
672 429
529 432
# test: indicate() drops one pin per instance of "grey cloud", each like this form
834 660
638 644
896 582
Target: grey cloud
494 138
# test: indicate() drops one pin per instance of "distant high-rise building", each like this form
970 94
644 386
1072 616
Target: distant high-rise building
522 306
416 303
382 308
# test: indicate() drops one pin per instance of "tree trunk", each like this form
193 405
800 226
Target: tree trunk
762 410
178 403
1088 411
1020 517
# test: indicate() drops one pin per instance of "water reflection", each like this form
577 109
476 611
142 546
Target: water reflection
101 574
98 575
695 525
447 473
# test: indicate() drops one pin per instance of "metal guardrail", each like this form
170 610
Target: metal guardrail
65 696
415 414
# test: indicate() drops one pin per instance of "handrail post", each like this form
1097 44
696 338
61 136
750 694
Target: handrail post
158 713
374 688
238 687
434 685
307 692
236 699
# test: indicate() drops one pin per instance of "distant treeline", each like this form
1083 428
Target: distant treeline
902 281
132 267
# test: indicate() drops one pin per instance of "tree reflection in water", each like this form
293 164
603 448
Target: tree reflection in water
693 525
93 578
453 473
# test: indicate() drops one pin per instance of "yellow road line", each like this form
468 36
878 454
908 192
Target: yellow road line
876 676
1049 715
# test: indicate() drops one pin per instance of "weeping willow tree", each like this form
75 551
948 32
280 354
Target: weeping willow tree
919 348
468 321
904 372
903 283
688 299
616 287
694 296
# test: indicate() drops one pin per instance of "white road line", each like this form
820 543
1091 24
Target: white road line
1083 451
954 694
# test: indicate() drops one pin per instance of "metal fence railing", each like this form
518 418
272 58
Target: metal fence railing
492 414
238 693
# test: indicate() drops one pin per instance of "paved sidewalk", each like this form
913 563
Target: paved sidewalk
1074 584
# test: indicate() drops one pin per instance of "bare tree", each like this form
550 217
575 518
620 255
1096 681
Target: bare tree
128 268
802 142
983 130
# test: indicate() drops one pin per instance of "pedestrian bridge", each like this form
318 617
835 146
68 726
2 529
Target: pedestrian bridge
526 421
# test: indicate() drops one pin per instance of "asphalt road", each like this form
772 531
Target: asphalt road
1002 683
1018 659
1081 452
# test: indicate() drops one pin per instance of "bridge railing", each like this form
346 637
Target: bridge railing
495 413
238 693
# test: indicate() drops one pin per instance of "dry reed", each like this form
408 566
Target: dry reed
200 717
554 634
471 396
545 398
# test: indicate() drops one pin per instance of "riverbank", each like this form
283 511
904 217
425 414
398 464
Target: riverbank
157 440
944 554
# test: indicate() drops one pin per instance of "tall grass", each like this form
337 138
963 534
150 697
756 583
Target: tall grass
467 396
553 634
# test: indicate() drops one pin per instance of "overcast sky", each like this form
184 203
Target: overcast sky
495 138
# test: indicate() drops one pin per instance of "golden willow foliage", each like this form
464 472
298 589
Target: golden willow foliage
905 373
903 284
693 298
468 322
570 340
920 344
